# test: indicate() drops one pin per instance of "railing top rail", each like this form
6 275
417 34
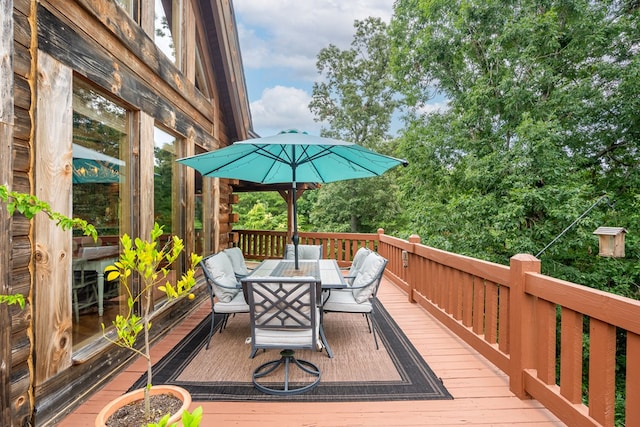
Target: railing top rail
605 306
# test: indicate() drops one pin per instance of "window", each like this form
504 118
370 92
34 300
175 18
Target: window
166 27
131 7
100 195
166 191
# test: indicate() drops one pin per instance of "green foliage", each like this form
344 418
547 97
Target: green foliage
261 211
189 419
528 141
13 299
29 205
356 98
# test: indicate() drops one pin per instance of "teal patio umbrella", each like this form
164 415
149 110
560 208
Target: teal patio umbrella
291 157
93 167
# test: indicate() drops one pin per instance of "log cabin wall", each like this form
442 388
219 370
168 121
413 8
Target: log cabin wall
96 41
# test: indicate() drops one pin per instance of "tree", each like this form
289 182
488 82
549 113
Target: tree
261 211
541 97
357 100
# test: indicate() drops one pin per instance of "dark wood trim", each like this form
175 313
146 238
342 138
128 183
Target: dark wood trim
91 60
139 44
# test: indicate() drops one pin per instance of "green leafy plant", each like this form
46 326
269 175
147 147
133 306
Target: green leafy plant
189 419
150 261
12 299
29 205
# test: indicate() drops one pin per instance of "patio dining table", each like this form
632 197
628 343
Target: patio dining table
325 270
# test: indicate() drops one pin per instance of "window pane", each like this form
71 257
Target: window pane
164 166
100 151
164 38
131 7
165 189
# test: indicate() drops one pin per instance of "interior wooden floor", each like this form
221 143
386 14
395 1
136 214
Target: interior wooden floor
481 392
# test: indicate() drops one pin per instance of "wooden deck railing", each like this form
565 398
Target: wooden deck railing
259 245
537 329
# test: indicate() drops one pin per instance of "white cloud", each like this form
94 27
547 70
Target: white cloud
282 108
435 107
290 33
279 42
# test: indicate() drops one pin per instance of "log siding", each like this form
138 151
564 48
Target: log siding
45 45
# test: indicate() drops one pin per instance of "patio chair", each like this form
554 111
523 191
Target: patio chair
284 315
84 287
360 296
224 290
237 260
304 252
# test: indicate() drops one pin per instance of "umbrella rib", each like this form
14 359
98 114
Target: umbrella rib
216 169
266 153
329 150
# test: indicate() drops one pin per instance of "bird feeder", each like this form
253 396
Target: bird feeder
611 240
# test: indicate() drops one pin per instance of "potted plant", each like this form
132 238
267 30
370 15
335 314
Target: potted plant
149 261
145 259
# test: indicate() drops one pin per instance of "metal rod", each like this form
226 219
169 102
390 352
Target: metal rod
605 197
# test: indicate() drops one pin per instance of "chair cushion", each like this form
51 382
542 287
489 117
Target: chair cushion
237 260
236 305
370 270
304 252
342 300
225 285
356 264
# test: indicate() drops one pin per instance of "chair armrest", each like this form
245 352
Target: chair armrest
237 286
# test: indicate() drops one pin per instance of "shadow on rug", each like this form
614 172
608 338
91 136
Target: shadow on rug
357 372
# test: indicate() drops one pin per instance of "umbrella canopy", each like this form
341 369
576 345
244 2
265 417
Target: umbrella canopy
291 157
90 166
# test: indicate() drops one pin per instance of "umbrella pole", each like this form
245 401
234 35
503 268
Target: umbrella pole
295 239
294 190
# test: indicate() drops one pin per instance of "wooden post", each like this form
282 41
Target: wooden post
412 270
53 174
6 170
380 234
521 320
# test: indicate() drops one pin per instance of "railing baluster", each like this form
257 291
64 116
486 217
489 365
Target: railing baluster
602 371
546 315
571 356
633 380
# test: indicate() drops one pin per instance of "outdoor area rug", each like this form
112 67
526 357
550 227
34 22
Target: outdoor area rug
357 372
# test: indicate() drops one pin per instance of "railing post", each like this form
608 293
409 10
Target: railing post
380 233
412 270
521 322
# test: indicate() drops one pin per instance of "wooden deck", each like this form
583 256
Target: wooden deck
481 393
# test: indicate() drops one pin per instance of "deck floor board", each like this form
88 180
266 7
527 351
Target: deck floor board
480 390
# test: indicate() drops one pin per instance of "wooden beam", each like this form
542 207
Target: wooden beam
53 175
6 138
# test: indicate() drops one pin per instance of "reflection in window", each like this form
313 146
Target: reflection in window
165 28
199 215
100 196
131 7
165 189
201 76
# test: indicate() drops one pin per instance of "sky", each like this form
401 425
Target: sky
279 43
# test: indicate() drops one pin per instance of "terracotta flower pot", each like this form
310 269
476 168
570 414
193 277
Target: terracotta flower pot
138 394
